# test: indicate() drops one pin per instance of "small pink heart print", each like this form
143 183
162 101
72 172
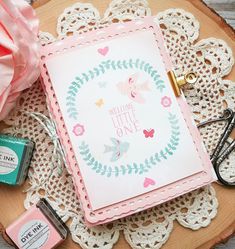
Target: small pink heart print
103 51
148 181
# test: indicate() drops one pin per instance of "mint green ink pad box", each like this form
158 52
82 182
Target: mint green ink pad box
15 157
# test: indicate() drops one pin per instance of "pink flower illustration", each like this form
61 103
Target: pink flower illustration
166 101
78 130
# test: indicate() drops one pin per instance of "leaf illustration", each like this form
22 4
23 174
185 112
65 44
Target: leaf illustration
116 169
135 166
146 67
70 104
91 74
137 63
154 72
109 171
119 64
79 80
162 154
113 65
96 70
130 63
75 84
171 146
104 170
73 115
70 98
91 161
124 64
142 64
168 151
73 94
129 168
123 169
85 76
157 157
71 109
141 169
95 165
99 168
152 160
84 152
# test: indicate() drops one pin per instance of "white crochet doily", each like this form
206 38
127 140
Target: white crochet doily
210 58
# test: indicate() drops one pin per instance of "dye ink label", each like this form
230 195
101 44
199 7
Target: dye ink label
11 159
34 235
8 160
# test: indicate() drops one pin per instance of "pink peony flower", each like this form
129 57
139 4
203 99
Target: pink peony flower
78 130
166 101
19 51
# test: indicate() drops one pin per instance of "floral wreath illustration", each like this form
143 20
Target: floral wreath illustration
133 168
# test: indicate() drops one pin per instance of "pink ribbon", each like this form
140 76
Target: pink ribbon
19 51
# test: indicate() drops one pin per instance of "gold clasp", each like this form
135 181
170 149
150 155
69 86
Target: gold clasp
178 82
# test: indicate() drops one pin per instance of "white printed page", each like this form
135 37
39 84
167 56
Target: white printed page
126 128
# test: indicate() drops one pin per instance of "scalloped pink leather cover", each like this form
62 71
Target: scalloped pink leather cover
155 195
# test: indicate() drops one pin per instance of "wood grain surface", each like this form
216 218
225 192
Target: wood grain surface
11 199
225 8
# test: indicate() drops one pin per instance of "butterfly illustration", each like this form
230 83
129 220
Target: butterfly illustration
99 102
102 84
148 133
133 89
118 149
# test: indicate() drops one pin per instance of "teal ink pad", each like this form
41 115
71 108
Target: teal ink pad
15 157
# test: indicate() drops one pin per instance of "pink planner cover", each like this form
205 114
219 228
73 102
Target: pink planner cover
130 143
